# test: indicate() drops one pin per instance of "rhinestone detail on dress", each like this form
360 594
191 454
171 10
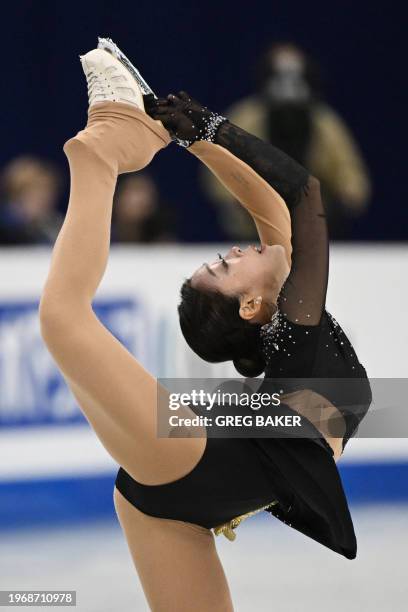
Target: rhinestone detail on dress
272 335
210 125
276 336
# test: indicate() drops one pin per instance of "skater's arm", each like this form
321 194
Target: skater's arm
257 196
263 203
304 293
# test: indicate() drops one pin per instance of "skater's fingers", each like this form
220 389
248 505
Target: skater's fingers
152 104
168 119
163 111
189 100
183 95
161 102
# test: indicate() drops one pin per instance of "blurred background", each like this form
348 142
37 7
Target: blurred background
325 83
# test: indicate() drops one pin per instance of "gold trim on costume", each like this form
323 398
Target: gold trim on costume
227 529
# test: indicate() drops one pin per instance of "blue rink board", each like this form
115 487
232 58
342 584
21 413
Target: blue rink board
33 390
59 501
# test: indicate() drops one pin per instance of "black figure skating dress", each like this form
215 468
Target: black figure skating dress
295 479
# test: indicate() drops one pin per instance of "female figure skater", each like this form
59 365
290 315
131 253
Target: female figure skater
262 308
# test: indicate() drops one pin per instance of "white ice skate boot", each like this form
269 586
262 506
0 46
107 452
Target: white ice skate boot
110 78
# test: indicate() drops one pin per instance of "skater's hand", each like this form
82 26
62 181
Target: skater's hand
182 116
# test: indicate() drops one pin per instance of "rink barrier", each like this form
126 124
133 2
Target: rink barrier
61 501
48 477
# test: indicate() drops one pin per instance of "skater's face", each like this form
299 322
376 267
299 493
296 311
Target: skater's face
253 275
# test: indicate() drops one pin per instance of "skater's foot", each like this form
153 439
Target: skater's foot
109 80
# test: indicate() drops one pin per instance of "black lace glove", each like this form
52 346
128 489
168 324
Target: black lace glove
184 118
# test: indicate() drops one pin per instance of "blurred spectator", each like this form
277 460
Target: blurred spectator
288 111
30 189
139 213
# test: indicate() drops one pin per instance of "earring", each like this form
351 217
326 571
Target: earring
258 300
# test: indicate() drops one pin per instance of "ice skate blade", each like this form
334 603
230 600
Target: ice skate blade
108 45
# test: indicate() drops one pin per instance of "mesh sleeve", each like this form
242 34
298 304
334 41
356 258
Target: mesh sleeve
303 296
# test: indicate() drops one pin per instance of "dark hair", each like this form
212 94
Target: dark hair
213 328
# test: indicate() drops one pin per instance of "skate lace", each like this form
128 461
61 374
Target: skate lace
95 84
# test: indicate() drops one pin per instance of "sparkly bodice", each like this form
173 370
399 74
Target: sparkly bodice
322 354
283 339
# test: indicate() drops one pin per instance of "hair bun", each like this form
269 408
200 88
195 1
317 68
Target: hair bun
250 367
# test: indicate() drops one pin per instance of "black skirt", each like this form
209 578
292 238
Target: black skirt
236 476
